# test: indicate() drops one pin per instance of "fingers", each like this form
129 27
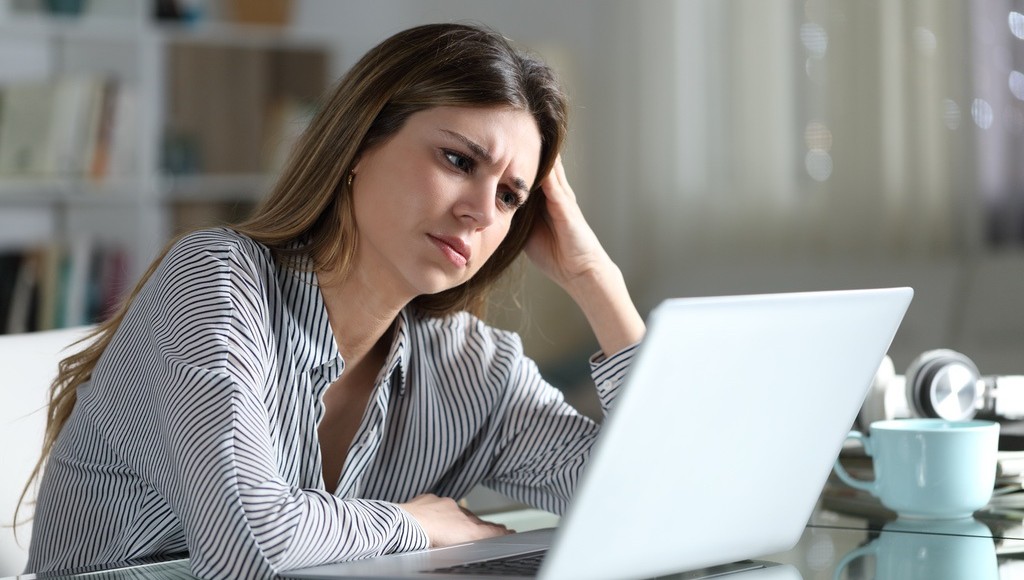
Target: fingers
484 529
446 523
499 529
556 185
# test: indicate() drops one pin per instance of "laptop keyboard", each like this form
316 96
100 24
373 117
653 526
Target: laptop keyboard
517 565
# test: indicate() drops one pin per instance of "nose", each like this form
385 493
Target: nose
476 205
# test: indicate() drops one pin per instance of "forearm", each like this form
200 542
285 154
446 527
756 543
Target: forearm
328 529
602 295
270 529
545 443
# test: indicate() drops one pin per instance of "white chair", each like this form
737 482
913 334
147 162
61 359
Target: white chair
28 364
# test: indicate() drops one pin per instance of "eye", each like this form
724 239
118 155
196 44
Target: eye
460 162
510 199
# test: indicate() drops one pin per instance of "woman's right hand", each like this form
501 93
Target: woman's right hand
447 523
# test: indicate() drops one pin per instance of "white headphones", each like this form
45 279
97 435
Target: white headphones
943 384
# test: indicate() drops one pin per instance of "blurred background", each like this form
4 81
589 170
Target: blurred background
717 147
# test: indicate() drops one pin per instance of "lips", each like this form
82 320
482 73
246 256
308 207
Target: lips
457 251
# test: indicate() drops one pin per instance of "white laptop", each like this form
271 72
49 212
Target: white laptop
717 449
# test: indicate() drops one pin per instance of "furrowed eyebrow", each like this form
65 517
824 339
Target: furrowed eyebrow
484 155
478 150
521 185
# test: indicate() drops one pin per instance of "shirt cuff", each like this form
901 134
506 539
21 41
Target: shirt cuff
609 372
413 536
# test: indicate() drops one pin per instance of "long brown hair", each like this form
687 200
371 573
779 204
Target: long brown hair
309 210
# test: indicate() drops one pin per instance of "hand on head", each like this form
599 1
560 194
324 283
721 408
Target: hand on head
562 244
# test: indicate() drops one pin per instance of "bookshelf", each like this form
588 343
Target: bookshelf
117 132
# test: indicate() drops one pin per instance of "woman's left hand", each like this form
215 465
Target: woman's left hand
564 247
562 244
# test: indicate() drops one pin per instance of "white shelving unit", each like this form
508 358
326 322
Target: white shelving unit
126 209
137 209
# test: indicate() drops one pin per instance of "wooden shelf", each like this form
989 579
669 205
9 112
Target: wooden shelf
50 190
35 26
247 188
216 188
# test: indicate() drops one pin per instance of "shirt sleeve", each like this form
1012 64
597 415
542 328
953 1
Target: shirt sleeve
610 372
211 455
544 443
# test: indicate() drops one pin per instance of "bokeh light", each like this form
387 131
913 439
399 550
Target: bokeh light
819 164
951 114
814 39
924 41
1017 24
981 112
818 136
1017 84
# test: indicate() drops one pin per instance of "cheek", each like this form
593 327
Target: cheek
493 238
391 200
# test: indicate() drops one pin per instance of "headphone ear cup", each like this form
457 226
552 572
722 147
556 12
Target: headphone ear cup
942 383
874 408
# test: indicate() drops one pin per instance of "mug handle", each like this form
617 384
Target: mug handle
870 549
868 486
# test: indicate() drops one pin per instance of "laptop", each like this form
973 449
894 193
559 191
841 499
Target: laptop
716 450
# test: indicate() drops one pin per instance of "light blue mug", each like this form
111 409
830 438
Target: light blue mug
929 468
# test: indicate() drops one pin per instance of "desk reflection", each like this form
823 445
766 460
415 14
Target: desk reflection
926 549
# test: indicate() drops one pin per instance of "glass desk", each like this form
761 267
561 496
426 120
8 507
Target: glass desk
838 546
833 546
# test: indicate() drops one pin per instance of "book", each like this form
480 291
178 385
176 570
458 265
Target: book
124 134
78 262
55 128
26 129
10 265
76 102
48 286
21 313
59 285
96 158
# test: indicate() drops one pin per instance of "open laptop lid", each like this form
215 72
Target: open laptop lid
730 420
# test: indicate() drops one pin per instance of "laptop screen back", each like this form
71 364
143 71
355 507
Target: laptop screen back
727 428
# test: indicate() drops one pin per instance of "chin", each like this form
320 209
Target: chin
436 285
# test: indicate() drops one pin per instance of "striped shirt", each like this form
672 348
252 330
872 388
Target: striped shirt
198 429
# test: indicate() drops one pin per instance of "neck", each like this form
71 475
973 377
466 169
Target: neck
360 316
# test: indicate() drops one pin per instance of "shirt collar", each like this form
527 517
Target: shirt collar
398 357
317 350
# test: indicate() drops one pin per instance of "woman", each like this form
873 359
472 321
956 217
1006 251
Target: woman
312 385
